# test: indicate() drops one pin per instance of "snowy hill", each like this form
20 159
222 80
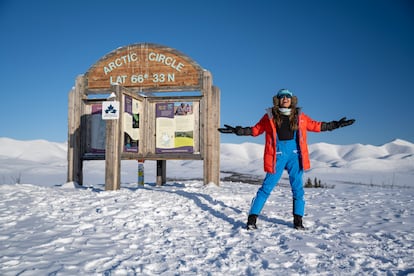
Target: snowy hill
36 150
332 155
391 163
49 227
393 156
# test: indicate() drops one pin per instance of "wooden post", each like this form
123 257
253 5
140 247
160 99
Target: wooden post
113 147
161 172
215 136
75 112
211 136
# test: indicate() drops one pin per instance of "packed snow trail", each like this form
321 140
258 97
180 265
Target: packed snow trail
187 228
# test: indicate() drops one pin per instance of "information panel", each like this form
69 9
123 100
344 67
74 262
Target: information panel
174 127
97 130
131 122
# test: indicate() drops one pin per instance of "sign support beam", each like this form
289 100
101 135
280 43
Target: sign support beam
113 147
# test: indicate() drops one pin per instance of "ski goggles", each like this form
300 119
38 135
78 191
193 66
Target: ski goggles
284 96
284 93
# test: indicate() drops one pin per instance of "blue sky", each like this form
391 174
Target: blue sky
341 58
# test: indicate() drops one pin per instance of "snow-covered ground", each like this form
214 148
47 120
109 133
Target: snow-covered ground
363 225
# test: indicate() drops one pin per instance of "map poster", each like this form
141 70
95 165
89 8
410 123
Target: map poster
131 125
98 130
174 127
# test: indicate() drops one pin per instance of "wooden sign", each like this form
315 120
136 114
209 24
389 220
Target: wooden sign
145 65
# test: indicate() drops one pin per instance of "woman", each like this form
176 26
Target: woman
285 148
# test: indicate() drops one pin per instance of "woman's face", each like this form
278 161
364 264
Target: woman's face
285 102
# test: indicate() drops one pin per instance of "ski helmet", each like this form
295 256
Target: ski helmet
284 92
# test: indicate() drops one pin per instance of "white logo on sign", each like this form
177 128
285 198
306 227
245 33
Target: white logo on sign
110 110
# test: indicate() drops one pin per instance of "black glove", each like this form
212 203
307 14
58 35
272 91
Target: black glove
228 129
336 124
238 130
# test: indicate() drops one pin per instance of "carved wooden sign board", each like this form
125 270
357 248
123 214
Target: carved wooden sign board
148 126
146 66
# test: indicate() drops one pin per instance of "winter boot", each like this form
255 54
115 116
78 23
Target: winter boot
297 222
251 222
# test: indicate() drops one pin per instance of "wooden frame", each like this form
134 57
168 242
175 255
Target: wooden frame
142 62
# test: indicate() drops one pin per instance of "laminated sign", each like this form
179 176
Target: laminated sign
110 110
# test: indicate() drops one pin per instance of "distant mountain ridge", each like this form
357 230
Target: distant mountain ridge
45 163
395 155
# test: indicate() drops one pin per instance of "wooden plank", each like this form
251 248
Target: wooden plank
113 148
161 172
208 117
215 136
150 129
74 133
145 65
196 133
71 127
159 156
211 138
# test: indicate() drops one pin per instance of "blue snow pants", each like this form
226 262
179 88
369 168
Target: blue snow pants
287 158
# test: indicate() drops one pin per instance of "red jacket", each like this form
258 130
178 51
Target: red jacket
266 124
